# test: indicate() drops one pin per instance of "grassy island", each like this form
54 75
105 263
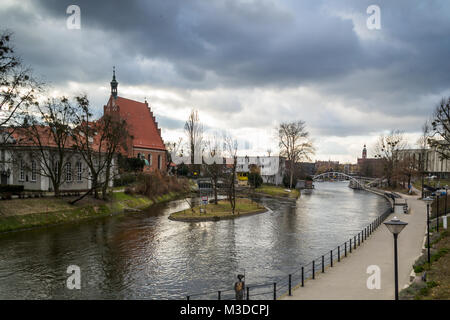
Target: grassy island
276 191
221 210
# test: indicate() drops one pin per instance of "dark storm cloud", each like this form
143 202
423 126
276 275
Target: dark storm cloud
240 43
324 45
256 42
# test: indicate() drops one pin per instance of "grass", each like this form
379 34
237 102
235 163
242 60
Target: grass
221 210
278 191
39 212
433 183
437 286
32 205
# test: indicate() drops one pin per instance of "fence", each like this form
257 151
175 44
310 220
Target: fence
297 278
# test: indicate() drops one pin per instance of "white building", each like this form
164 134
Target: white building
272 168
434 164
22 165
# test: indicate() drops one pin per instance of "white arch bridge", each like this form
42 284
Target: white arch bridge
355 181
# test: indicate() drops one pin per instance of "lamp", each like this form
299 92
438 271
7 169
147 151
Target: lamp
428 201
395 226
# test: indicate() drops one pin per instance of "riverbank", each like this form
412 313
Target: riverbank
273 192
432 281
213 212
21 214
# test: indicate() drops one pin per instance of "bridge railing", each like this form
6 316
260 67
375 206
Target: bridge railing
284 285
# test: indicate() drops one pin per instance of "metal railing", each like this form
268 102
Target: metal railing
297 278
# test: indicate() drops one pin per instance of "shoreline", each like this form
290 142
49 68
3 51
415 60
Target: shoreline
218 218
38 220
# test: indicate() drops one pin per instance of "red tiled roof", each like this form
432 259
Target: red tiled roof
26 138
141 122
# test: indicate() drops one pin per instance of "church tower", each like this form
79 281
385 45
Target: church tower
114 84
364 152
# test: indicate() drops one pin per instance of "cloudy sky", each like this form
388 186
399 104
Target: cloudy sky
249 65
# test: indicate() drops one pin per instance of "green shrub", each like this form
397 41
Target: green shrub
125 179
10 188
255 179
287 179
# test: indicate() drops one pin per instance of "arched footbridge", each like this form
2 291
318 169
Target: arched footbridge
355 182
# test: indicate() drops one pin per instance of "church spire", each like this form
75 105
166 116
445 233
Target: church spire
114 84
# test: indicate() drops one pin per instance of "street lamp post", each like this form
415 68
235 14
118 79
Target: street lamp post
437 212
395 226
445 213
428 201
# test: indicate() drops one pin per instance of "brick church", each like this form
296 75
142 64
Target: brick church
146 142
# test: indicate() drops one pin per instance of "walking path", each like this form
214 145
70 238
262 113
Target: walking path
347 279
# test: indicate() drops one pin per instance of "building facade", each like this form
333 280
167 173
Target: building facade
146 142
272 168
370 167
20 162
433 163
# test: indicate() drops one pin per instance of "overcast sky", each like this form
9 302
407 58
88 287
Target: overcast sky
249 65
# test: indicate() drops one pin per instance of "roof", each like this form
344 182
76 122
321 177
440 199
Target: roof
27 137
142 124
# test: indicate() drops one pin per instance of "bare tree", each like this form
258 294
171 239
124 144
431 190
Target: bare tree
440 137
194 132
98 142
173 148
18 88
423 144
47 131
387 149
294 143
230 146
214 165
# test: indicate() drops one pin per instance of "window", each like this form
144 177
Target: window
68 171
150 159
22 171
33 171
159 162
79 171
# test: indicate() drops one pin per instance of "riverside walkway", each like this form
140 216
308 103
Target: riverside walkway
347 280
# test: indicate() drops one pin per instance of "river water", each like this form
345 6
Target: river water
148 256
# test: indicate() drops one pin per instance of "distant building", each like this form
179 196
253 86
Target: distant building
272 168
433 163
370 167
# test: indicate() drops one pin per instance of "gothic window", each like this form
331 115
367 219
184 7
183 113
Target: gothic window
33 171
79 171
68 171
150 159
22 170
159 162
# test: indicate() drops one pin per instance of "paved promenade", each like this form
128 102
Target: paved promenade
347 279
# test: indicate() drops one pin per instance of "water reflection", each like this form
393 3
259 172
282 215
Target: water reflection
147 256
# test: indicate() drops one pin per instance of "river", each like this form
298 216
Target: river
148 256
